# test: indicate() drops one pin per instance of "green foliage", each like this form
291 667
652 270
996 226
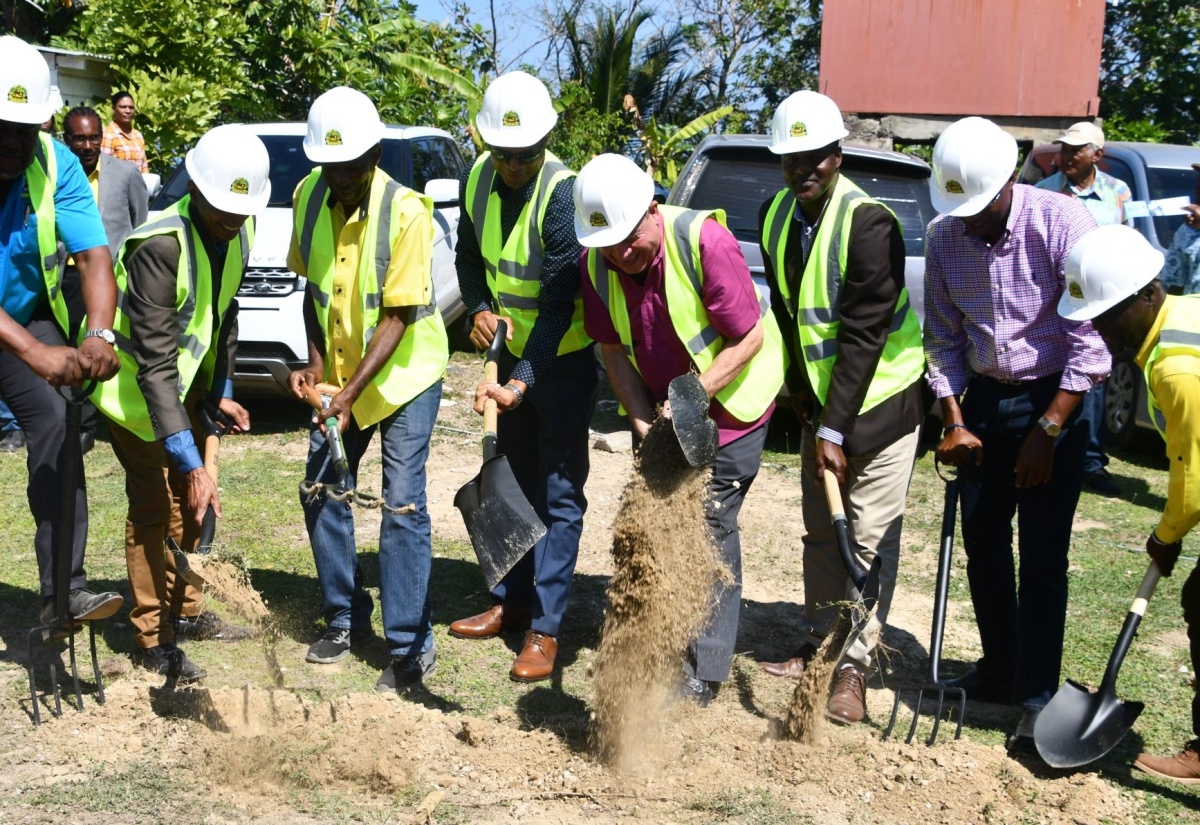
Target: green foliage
789 56
583 130
665 148
1116 127
1149 66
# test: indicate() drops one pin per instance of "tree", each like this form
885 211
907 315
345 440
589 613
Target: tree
789 55
1148 69
723 35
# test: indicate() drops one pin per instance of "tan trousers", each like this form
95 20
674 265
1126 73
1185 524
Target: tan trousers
874 494
157 495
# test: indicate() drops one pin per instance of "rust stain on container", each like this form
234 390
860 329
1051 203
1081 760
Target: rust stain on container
1030 58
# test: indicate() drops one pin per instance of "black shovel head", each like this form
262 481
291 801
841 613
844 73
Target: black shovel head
1079 726
697 433
501 522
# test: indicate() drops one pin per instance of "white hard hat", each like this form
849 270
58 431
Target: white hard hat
972 160
24 83
516 112
612 193
1105 267
230 167
343 124
806 121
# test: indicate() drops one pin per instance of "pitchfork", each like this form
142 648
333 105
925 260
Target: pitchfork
934 685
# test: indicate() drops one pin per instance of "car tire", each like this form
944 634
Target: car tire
1123 395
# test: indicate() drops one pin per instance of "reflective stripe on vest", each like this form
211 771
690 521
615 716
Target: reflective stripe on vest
513 266
121 398
41 181
816 309
749 395
1180 334
420 358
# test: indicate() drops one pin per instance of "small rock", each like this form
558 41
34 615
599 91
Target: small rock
618 442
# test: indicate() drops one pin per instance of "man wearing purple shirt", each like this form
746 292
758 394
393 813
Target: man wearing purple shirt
994 272
643 298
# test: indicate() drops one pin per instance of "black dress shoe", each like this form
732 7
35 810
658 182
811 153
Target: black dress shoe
698 690
979 688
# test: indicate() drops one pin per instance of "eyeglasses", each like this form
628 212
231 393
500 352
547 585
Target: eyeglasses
505 155
83 140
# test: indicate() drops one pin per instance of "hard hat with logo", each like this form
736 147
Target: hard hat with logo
24 83
230 167
612 195
343 124
1105 267
516 112
806 121
972 160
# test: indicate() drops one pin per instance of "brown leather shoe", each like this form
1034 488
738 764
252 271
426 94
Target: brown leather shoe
847 704
536 661
491 622
1183 767
794 667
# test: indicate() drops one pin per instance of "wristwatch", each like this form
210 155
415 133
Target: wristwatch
105 335
1051 429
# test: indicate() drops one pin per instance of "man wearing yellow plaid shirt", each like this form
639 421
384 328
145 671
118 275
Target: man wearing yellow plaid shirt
365 243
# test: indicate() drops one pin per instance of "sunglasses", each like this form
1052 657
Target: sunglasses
505 155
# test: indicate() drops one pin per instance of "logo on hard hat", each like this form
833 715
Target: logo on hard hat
1075 290
240 186
954 187
511 119
598 219
17 94
333 138
798 130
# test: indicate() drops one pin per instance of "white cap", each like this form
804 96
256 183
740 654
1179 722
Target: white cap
806 121
1083 133
1105 267
612 195
343 124
972 160
231 168
24 83
516 112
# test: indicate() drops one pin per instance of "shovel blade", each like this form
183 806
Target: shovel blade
697 433
501 522
1079 726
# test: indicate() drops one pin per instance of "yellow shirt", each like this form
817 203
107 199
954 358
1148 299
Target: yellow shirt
407 283
1175 382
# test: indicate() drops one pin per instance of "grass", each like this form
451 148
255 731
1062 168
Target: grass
260 474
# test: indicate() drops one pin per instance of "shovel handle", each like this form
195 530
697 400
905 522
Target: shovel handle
1129 628
491 374
208 526
841 530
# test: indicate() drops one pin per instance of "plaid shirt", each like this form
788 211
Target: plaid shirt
131 147
1105 198
994 309
1182 269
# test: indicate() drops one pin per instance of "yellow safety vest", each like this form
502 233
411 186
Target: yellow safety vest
816 308
748 395
421 356
514 266
1180 334
121 398
41 180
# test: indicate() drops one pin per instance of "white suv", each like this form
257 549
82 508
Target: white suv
271 340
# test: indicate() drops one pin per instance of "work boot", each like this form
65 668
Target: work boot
848 702
407 672
536 661
209 627
697 690
492 622
84 606
794 667
157 659
1183 767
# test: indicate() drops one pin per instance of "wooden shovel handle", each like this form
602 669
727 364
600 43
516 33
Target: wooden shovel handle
212 447
491 373
313 394
833 494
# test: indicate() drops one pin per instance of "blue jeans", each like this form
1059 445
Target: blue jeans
546 441
1093 410
405 547
1021 620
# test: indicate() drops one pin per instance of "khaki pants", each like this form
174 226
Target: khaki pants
157 495
874 495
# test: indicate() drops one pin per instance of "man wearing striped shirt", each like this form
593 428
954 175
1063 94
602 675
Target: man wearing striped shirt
994 274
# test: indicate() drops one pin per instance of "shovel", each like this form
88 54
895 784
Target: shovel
215 424
1079 726
501 522
697 433
866 582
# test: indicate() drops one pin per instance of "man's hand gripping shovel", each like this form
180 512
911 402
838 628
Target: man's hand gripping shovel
215 424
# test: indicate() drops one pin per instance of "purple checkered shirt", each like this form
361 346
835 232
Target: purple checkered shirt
994 309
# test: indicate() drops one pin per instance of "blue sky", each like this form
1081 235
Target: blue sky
517 22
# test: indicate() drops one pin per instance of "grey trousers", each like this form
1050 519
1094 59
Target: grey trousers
874 495
710 656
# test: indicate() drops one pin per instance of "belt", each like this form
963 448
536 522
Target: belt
1012 382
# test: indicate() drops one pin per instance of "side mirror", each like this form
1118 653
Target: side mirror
153 184
442 191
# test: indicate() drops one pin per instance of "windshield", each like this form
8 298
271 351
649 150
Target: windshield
1169 183
740 180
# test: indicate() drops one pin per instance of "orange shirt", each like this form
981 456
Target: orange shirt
130 147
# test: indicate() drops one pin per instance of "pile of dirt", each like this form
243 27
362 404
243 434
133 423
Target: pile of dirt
665 568
807 709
